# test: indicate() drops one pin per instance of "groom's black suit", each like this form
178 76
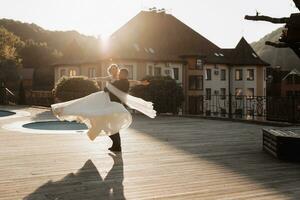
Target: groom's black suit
122 85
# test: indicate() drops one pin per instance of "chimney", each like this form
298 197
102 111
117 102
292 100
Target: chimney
163 11
153 9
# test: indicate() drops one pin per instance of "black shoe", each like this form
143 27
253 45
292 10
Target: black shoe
116 149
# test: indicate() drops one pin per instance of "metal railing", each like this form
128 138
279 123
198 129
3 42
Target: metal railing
285 109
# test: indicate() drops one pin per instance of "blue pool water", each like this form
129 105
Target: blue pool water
55 125
5 113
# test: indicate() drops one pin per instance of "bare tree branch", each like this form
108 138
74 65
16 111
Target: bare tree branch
294 47
267 19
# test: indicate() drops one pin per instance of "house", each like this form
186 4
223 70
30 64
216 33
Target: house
151 43
284 83
238 72
157 43
27 77
80 68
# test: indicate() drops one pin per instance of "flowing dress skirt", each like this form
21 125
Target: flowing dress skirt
102 116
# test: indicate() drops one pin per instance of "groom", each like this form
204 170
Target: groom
123 85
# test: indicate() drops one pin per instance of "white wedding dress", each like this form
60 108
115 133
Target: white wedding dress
102 116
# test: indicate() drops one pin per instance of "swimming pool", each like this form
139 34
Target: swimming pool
5 113
55 125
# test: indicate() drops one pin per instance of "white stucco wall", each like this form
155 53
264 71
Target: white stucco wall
244 84
165 66
215 83
67 68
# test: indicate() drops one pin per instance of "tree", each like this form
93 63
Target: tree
69 88
9 45
73 52
164 92
10 62
38 54
291 33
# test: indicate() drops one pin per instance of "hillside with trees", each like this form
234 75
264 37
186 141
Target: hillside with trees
39 48
283 57
56 41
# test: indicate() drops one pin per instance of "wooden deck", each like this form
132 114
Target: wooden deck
165 158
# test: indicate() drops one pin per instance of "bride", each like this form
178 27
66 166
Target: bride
99 113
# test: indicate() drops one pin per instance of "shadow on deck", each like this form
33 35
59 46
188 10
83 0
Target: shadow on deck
86 183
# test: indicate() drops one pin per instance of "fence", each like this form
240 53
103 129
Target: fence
41 98
286 109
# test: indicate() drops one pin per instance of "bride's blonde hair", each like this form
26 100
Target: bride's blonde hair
111 67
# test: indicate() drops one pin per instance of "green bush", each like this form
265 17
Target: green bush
69 88
166 95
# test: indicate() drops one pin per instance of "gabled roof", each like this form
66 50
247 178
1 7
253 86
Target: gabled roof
293 72
156 36
242 54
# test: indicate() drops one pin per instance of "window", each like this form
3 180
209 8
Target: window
92 72
130 71
199 64
176 73
208 93
250 93
208 74
195 82
238 93
72 72
63 72
157 71
168 72
223 74
238 74
150 70
223 93
250 74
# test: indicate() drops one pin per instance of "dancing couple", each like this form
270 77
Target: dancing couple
103 112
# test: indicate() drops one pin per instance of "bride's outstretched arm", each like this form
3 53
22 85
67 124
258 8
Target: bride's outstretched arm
136 82
104 78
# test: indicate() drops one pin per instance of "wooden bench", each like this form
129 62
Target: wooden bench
283 144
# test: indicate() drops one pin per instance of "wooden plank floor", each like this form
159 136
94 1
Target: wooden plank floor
165 158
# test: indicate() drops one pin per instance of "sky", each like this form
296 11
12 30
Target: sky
220 21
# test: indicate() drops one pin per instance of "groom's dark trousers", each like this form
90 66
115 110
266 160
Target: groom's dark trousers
122 85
